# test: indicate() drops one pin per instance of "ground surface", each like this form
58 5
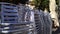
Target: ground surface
57 32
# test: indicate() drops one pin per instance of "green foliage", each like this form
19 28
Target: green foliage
41 4
44 4
37 3
57 2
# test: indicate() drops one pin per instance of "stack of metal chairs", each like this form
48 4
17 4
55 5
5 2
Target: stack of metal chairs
43 22
10 23
18 19
9 16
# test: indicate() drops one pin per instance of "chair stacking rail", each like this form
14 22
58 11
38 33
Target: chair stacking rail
0 18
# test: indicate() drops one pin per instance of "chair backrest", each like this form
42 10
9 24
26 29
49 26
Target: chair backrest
9 13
